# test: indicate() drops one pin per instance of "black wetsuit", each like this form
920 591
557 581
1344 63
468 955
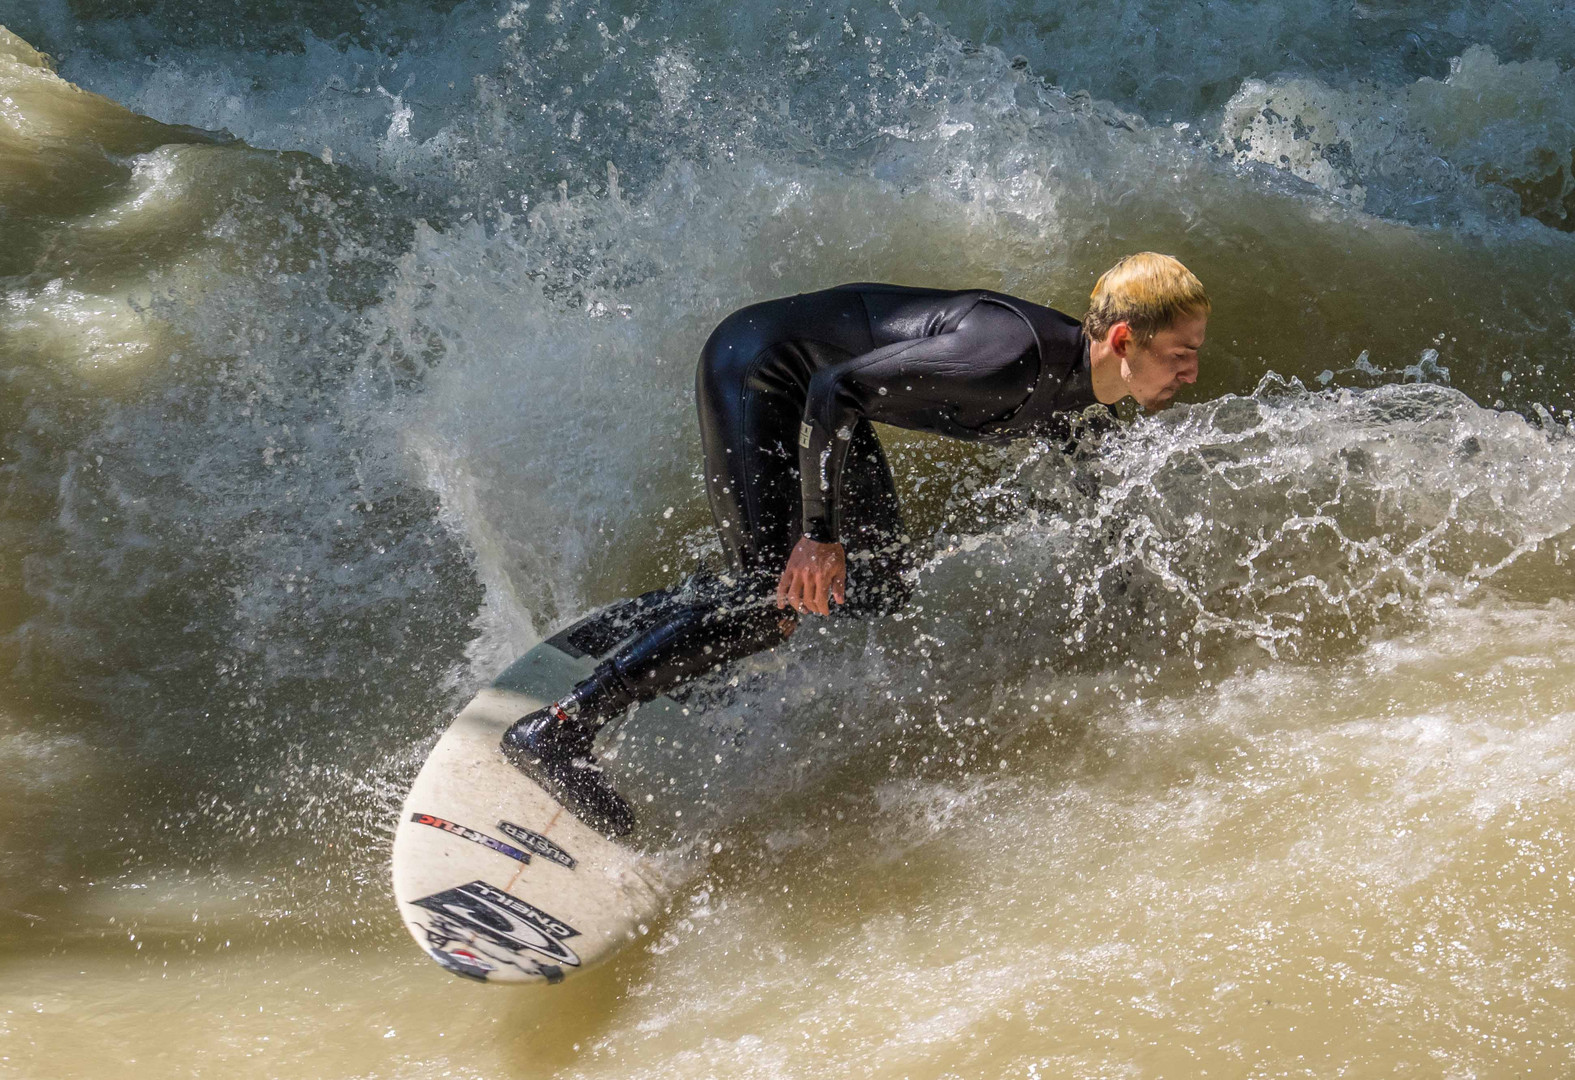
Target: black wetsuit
786 391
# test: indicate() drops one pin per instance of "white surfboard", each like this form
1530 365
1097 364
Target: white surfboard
494 878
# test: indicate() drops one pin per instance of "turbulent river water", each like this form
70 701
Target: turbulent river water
346 350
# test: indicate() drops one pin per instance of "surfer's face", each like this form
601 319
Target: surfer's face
1156 370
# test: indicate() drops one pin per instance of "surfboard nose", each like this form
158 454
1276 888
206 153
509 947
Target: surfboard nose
495 879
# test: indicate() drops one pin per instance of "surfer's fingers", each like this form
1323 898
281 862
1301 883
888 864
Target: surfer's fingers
823 585
792 588
839 588
802 594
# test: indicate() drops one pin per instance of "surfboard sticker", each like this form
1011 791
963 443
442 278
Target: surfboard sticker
501 920
472 960
538 844
473 835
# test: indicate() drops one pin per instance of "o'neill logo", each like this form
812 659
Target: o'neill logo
539 844
501 920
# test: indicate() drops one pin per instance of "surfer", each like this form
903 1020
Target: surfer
799 486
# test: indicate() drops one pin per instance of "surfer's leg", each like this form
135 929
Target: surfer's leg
736 621
692 641
723 623
750 408
748 419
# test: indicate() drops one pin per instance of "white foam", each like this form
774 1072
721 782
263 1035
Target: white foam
1463 148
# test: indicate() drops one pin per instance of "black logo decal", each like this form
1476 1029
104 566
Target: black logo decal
493 916
538 844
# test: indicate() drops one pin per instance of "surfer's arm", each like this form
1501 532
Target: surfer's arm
961 372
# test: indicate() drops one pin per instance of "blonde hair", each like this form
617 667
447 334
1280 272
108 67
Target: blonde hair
1147 291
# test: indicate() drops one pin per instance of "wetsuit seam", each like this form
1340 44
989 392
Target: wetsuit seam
1039 364
911 343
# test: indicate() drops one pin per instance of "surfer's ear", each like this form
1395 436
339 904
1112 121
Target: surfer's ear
1120 339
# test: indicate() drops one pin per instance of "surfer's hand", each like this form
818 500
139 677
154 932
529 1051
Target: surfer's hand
813 570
